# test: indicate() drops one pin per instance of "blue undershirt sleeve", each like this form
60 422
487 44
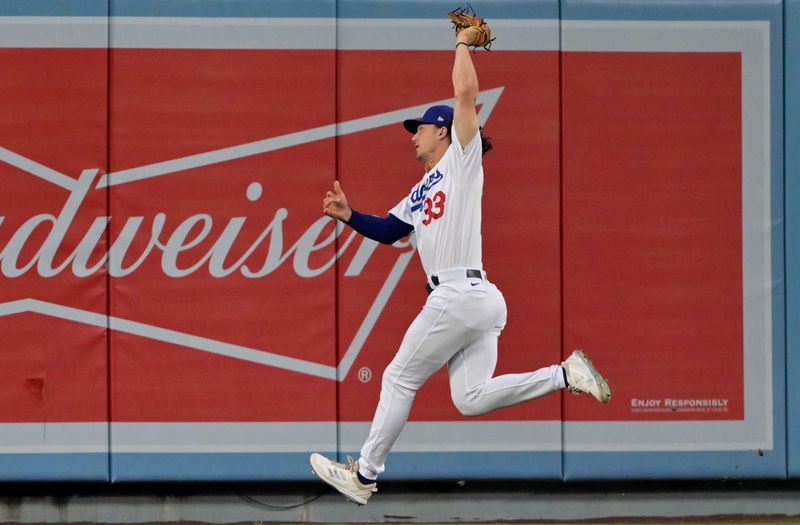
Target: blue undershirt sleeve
385 230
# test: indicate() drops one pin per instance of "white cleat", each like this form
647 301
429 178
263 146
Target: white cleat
343 478
582 377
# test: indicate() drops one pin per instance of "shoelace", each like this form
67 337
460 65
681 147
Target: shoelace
352 466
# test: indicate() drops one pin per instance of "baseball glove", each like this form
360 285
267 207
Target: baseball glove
465 17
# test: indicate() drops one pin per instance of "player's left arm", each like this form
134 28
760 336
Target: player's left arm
465 89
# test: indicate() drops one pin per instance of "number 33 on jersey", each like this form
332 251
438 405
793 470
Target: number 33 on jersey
433 208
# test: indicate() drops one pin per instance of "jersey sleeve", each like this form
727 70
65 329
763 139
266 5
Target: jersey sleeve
403 212
468 159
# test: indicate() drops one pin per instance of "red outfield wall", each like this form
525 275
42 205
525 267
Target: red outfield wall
188 309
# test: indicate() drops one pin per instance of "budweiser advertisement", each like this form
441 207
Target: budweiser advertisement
176 306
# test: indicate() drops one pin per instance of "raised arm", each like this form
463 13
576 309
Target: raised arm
465 88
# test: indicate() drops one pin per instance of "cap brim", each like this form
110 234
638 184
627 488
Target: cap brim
411 125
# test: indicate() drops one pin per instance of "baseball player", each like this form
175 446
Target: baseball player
464 313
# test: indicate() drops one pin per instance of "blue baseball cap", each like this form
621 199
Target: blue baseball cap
438 115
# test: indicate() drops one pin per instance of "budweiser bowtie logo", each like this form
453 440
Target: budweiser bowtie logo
141 241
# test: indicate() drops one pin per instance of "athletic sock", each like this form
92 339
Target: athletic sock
363 480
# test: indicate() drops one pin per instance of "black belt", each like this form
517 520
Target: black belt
470 274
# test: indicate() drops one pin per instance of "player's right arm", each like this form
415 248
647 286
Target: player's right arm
386 230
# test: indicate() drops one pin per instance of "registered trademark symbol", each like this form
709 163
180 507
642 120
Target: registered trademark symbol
365 374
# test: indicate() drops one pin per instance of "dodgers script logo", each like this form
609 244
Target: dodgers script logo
419 193
64 242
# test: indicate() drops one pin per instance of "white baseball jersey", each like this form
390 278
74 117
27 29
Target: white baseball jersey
445 209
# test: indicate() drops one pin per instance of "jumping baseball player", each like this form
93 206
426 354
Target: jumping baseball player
464 313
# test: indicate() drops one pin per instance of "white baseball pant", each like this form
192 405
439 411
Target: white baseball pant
458 325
